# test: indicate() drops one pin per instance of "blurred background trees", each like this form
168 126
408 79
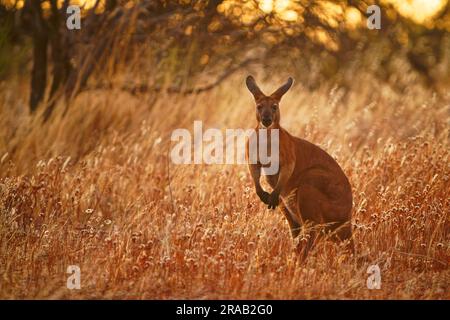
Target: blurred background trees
186 47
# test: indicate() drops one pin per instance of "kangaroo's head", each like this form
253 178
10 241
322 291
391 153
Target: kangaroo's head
267 107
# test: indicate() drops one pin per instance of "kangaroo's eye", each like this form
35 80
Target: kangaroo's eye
274 107
259 107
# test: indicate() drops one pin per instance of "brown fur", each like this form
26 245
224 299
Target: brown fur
312 186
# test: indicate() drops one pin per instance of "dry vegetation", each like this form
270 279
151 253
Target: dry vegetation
95 188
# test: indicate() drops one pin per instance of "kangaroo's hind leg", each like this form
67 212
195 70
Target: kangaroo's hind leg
289 207
293 224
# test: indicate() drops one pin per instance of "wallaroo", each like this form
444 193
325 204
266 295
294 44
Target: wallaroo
311 185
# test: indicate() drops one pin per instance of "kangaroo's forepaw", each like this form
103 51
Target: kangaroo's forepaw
264 196
274 200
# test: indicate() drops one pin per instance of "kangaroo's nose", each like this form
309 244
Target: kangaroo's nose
266 121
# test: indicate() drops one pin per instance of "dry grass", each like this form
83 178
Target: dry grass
92 189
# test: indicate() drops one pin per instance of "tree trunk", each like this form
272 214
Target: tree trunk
40 40
60 57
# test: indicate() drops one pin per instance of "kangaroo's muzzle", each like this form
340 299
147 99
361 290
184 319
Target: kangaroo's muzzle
266 121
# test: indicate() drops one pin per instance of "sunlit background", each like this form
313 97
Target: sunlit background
421 11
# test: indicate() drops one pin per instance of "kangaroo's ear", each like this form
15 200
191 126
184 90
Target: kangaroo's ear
283 89
253 87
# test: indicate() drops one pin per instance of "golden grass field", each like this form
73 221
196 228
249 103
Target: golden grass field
96 189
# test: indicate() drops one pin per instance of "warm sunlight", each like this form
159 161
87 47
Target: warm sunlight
420 11
282 7
83 3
